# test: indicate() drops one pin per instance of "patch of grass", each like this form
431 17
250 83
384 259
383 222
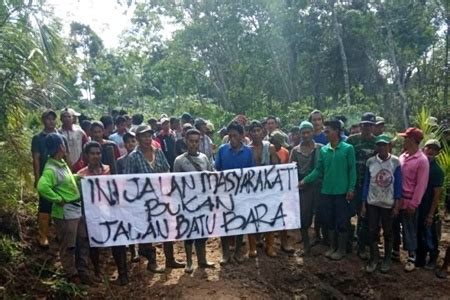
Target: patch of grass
9 250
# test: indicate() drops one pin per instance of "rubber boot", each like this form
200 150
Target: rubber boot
225 250
171 262
285 246
342 246
374 257
431 265
43 224
134 253
149 252
387 261
238 249
270 238
189 268
200 248
252 252
120 258
94 254
332 238
306 244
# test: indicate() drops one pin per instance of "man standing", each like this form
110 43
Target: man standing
379 126
117 137
316 118
166 138
336 164
40 156
110 151
415 173
263 154
206 145
192 161
381 193
233 155
364 145
306 155
143 160
76 139
427 235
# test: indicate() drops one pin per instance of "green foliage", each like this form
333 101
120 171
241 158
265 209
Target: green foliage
62 289
9 251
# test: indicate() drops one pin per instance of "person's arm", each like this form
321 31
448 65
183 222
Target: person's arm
351 159
36 167
45 187
366 186
422 173
398 183
129 165
437 182
165 163
317 172
218 161
274 159
177 165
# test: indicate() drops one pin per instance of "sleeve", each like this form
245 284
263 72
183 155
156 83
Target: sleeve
84 138
398 183
218 161
129 166
351 168
164 164
46 184
437 178
422 174
317 172
366 185
116 152
177 165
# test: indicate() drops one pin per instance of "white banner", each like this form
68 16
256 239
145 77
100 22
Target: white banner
147 208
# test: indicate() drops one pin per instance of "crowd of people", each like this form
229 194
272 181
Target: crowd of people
342 174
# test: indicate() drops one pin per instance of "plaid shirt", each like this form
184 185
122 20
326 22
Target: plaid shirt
137 162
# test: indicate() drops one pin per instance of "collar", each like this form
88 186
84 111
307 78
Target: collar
240 148
59 163
381 160
338 146
414 156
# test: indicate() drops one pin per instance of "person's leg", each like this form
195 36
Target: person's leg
362 227
66 231
188 249
270 239
442 271
396 238
409 223
120 258
326 213
225 250
386 222
238 249
306 205
45 208
149 252
432 244
171 262
82 253
422 248
200 247
252 252
373 219
134 253
342 224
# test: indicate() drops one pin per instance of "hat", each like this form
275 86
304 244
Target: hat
368 118
433 142
241 119
382 139
305 125
162 116
164 120
432 121
413 133
187 126
71 111
379 120
199 122
277 137
335 124
144 128
254 124
186 116
295 129
53 141
210 126
47 113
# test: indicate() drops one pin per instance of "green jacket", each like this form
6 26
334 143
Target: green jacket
57 184
338 168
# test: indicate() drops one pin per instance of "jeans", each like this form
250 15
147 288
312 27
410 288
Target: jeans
375 216
335 213
409 223
427 241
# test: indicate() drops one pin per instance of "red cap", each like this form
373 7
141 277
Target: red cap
413 133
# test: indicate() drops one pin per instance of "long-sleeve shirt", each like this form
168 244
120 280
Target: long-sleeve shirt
58 185
138 164
338 168
415 173
382 182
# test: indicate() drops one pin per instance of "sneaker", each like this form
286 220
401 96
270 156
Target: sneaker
410 266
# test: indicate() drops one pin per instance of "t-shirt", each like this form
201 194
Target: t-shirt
435 179
364 149
167 142
76 138
228 159
118 139
283 155
183 164
180 147
38 145
321 138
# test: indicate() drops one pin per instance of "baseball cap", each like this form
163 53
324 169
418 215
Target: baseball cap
368 118
144 128
306 125
164 120
277 137
379 120
413 133
382 139
433 142
199 122
48 112
71 111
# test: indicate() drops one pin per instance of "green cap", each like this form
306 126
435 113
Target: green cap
305 125
383 139
277 137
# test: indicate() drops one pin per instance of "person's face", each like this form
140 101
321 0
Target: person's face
94 156
408 143
234 138
378 129
366 128
431 151
122 127
145 139
331 133
130 144
192 143
307 134
271 125
383 149
50 123
355 130
256 134
296 137
108 130
67 119
175 126
165 126
97 133
316 120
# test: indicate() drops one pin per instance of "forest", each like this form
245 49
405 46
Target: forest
256 57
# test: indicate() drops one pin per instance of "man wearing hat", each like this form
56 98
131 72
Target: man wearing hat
379 126
364 144
336 165
306 155
40 154
427 236
206 145
415 171
76 139
166 138
145 159
381 193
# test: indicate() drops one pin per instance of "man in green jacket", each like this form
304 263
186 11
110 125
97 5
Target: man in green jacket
337 166
58 185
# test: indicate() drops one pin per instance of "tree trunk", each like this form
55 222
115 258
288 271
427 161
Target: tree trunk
337 30
446 66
